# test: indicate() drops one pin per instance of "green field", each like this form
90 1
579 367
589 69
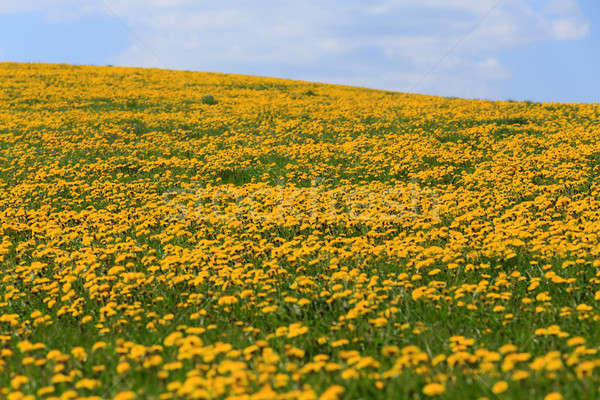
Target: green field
184 235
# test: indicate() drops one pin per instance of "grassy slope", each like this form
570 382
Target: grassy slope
296 235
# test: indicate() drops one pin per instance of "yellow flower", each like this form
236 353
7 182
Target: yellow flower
162 374
98 368
45 390
173 339
79 353
499 387
434 389
585 369
296 329
18 381
583 308
520 375
269 309
61 378
553 396
173 366
89 384
127 395
350 373
390 350
98 346
332 393
227 300
507 348
576 341
340 342
123 367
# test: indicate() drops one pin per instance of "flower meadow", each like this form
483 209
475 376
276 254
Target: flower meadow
184 235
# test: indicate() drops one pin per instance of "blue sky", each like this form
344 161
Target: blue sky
541 50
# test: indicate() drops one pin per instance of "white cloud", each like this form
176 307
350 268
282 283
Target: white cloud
565 20
492 67
564 29
394 44
53 10
474 6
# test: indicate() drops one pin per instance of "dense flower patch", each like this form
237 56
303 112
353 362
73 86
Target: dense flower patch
286 239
